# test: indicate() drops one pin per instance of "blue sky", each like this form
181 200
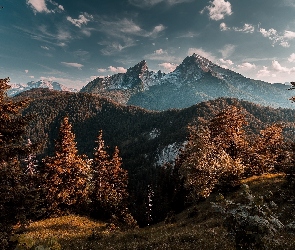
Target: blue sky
72 42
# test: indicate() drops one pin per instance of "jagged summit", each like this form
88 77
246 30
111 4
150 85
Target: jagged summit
136 78
195 80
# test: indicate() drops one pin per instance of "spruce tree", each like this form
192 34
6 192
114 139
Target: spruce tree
66 173
110 181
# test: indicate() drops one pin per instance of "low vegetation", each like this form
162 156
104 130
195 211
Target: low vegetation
198 227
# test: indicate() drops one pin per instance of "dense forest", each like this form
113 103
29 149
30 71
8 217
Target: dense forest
63 153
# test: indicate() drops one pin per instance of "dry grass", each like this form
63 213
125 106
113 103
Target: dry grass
198 227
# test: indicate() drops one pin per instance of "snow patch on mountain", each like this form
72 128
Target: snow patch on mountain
169 153
18 88
154 133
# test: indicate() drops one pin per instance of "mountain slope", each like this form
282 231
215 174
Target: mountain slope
144 137
198 227
195 80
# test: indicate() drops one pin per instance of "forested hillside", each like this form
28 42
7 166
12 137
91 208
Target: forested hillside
130 166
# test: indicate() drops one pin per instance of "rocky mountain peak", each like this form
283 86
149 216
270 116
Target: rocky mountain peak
45 84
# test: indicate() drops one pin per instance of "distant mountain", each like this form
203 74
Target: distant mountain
195 80
18 88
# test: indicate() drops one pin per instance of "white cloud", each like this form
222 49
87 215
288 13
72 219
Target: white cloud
247 28
292 58
162 55
201 52
117 69
38 5
289 3
275 37
168 67
115 47
223 27
150 3
279 68
32 77
113 70
122 34
157 29
160 52
227 50
102 70
27 71
74 65
218 9
41 6
45 47
289 34
263 72
247 66
228 62
123 27
82 19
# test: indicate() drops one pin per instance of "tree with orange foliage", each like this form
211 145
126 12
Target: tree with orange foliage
66 173
227 131
109 183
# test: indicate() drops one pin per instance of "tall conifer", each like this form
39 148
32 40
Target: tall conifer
66 173
109 181
13 190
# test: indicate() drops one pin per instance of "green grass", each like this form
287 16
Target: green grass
198 227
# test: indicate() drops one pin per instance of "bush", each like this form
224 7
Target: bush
251 223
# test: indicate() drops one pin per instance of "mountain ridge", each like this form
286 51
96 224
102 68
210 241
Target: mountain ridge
195 80
46 84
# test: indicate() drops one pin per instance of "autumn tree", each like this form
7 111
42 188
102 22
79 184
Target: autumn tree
109 183
14 192
66 173
266 149
205 165
227 131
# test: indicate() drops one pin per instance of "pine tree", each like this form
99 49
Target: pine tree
66 173
110 181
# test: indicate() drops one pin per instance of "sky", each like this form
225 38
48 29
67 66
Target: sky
73 42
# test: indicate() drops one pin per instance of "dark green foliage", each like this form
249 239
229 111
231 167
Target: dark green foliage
109 182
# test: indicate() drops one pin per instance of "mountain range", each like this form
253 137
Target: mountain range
47 84
195 80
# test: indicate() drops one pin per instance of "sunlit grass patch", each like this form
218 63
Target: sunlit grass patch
65 229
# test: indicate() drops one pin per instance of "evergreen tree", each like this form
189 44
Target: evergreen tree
110 181
14 192
66 174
